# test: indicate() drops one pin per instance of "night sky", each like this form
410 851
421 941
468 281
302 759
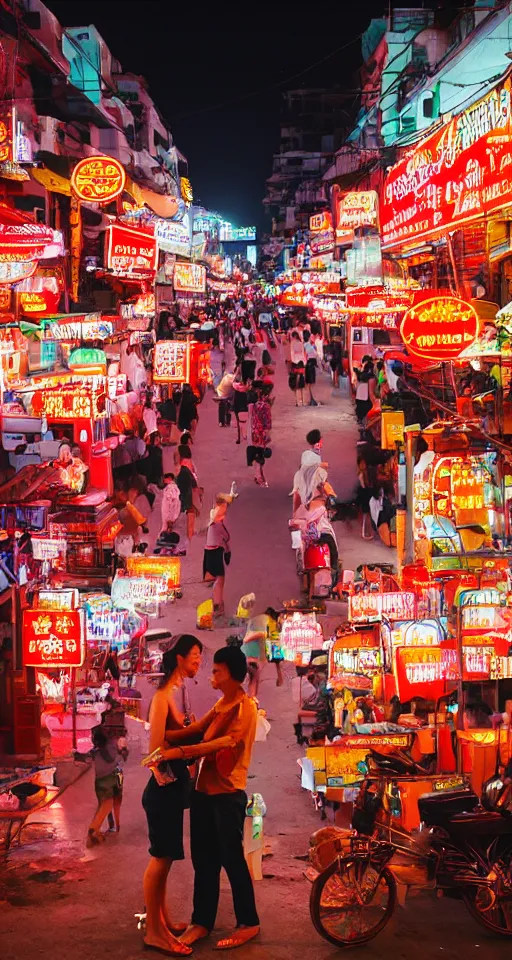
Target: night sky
217 76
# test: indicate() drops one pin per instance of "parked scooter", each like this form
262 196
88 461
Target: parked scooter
461 851
316 548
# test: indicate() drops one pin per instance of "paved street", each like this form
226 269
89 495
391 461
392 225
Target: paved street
82 905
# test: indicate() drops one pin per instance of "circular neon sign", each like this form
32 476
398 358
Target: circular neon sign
98 179
440 328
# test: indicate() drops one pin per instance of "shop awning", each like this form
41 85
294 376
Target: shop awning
52 181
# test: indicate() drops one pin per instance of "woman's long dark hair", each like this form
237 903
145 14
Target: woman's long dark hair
182 645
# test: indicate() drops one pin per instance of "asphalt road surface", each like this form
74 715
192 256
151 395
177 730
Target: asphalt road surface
60 901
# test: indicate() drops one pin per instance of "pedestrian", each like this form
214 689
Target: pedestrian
217 551
296 380
149 416
218 808
241 407
187 483
188 415
260 420
171 503
108 782
261 643
167 792
151 467
365 390
311 365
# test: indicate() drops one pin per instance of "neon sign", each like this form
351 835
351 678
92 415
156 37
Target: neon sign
375 606
171 361
100 179
53 639
130 252
356 209
440 328
189 277
168 567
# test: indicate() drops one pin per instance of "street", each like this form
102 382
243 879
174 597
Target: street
60 900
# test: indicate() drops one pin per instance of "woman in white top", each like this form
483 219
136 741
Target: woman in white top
296 379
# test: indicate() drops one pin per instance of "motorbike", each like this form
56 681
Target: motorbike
316 550
460 851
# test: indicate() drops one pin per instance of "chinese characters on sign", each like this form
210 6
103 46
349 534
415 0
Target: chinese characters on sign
130 252
53 638
171 361
375 606
65 406
440 328
190 277
98 179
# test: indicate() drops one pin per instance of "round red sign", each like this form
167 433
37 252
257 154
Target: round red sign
440 328
99 179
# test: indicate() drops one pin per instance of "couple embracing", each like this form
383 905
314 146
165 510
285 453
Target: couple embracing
223 739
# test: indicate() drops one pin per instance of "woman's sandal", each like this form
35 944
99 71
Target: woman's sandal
182 950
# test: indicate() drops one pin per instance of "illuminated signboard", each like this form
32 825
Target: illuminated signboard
174 236
353 210
190 277
228 233
53 639
439 328
320 221
130 252
418 666
48 549
57 599
300 634
45 301
128 592
6 132
460 172
12 272
375 606
99 179
171 361
168 567
65 405
91 327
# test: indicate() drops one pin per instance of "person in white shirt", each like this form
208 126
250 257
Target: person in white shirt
149 417
171 503
311 365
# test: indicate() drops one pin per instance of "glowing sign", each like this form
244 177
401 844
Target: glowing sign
300 634
320 221
128 592
187 193
171 361
130 252
48 549
53 639
99 179
57 599
168 567
190 277
356 209
174 236
440 328
60 405
91 327
375 606
460 172
45 301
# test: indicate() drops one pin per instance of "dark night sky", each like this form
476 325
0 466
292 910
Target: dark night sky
217 76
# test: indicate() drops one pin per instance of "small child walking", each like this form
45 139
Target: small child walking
108 784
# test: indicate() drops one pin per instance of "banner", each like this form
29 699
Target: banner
462 171
130 253
190 277
353 210
174 236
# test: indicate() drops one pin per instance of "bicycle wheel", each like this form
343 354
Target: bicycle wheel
491 906
352 901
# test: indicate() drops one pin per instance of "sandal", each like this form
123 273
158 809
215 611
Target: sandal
181 949
237 939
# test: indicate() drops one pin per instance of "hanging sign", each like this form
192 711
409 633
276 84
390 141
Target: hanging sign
171 361
43 301
440 328
128 592
460 172
99 179
53 639
189 277
130 253
356 209
174 236
48 549
320 221
58 599
90 327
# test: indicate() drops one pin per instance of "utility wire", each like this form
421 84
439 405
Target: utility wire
273 86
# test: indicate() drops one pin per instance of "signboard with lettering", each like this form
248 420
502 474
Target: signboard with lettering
461 171
360 208
171 361
189 277
168 567
99 179
174 236
53 639
439 328
58 599
129 592
376 606
131 253
89 327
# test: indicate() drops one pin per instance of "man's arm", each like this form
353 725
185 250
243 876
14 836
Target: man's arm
193 732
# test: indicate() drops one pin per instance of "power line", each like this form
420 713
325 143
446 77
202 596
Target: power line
273 86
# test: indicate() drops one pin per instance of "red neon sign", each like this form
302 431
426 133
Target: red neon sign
460 172
53 638
440 328
99 179
130 252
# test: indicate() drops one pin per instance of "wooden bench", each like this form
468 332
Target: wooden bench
15 820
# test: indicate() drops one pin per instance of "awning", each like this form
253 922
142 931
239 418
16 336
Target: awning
51 181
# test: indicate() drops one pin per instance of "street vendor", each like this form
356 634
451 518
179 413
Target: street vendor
72 469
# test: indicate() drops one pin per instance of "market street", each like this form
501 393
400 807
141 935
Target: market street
60 900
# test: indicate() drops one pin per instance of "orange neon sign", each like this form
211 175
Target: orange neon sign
439 328
100 179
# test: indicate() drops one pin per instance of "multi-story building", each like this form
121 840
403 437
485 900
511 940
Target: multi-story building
312 128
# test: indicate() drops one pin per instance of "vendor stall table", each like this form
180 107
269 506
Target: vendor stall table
15 820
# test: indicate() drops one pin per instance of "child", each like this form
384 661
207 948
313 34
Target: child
108 782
